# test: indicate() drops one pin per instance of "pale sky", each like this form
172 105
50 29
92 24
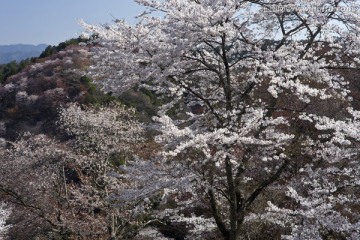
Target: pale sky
54 21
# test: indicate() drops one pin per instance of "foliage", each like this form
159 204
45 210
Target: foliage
12 68
93 94
261 77
145 102
51 50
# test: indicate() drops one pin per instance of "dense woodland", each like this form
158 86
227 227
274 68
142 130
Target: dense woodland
221 119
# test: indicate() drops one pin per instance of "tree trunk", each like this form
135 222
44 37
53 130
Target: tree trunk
232 199
112 227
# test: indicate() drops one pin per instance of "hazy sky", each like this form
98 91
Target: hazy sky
54 21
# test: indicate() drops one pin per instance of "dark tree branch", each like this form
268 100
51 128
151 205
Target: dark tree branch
265 184
216 214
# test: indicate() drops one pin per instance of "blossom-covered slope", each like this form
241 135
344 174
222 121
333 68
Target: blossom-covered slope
30 99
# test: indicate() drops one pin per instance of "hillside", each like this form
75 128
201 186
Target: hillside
30 98
18 52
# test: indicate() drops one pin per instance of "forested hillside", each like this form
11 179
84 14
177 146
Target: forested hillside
30 98
222 119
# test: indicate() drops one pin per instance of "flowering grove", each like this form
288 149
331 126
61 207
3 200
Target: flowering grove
256 134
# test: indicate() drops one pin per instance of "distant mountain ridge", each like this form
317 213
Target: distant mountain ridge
18 52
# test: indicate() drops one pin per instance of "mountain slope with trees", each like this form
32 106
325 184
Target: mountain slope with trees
251 127
30 99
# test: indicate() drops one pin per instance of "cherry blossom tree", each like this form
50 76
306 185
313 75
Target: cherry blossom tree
274 108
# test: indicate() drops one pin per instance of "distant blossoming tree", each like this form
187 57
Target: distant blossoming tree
66 189
275 112
4 214
103 137
33 183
